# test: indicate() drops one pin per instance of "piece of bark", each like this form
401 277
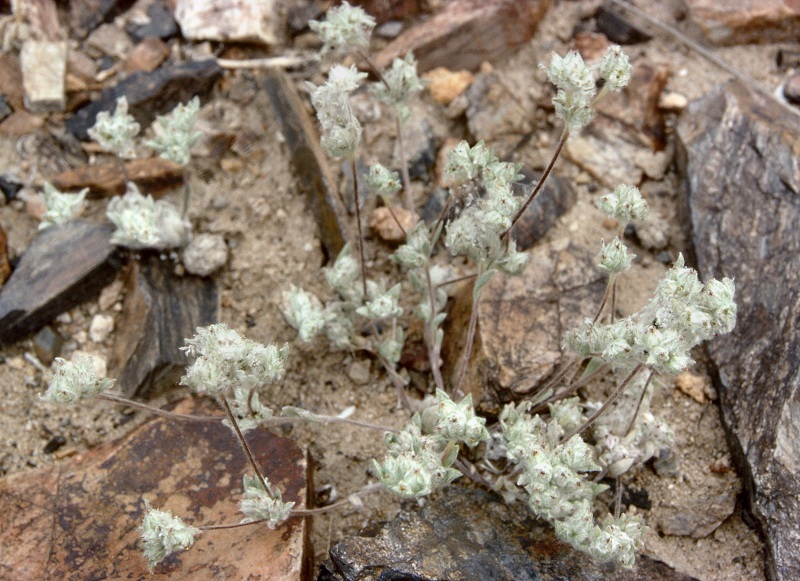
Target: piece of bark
466 533
746 21
62 268
309 161
521 323
79 519
153 175
739 158
5 265
150 94
251 21
160 312
466 33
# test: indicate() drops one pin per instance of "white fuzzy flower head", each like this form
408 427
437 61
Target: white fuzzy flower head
416 252
386 183
175 134
625 204
345 27
259 504
382 304
61 208
304 312
457 421
75 380
144 223
226 360
345 276
115 133
342 131
614 257
576 89
391 347
163 534
615 68
399 83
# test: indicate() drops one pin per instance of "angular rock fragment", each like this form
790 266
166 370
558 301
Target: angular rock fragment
44 68
553 201
86 15
64 267
161 310
153 175
495 115
618 29
741 167
465 533
159 23
80 518
254 21
746 21
146 56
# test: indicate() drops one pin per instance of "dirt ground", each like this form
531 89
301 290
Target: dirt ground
273 242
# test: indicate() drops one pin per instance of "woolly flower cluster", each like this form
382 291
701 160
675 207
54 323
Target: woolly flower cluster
175 135
226 360
144 223
332 103
75 380
399 83
682 313
60 207
575 97
260 504
625 204
477 231
417 464
163 534
115 133
553 478
345 27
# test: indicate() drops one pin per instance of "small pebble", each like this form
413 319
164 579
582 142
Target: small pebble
101 327
205 254
359 372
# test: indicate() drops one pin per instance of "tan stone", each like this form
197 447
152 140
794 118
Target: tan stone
692 385
445 85
147 56
385 225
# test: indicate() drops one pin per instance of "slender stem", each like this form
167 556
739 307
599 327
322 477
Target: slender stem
282 421
404 165
618 498
639 403
437 229
468 469
360 234
572 388
396 220
280 62
398 382
430 333
603 302
561 141
603 408
558 377
186 193
613 298
456 280
118 399
243 442
461 370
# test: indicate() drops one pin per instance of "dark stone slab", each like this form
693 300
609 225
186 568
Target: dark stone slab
469 534
617 28
314 175
161 24
553 201
150 94
740 161
63 267
161 310
86 15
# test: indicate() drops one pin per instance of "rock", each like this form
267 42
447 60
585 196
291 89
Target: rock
150 94
205 254
62 268
654 164
11 80
385 10
465 533
35 206
787 58
739 159
746 21
672 102
420 146
591 45
385 225
692 385
20 123
5 265
109 40
81 66
708 508
253 21
653 234
159 23
47 345
10 186
605 153
44 67
791 89
466 33
5 109
101 327
42 16
617 29
109 295
521 322
495 115
445 85
554 200
359 371
308 159
153 175
86 15
146 56
160 311
80 519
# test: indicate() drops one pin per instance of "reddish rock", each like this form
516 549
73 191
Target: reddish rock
5 265
153 175
79 519
147 55
746 21
11 80
20 123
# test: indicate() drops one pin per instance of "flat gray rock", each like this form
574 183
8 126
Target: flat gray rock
743 178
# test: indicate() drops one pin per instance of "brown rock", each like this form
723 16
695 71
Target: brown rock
81 66
43 18
309 161
147 55
496 115
79 519
746 21
740 165
153 175
386 226
385 10
466 33
5 265
11 80
161 310
445 85
591 45
47 345
85 15
20 123
108 39
62 268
